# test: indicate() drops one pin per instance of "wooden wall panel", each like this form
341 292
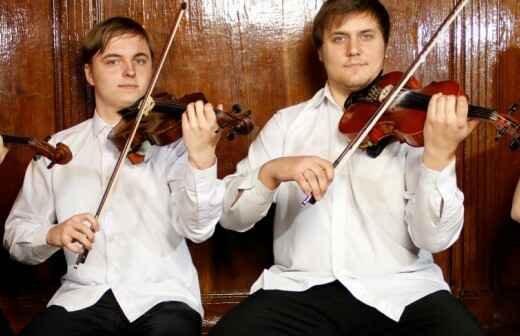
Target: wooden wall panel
258 53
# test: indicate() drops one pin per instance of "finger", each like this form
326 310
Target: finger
185 124
441 109
199 114
92 222
321 178
85 230
78 236
462 110
327 168
191 116
450 112
472 124
312 180
74 247
304 184
431 113
210 116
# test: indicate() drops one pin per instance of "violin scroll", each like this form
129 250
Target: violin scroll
60 154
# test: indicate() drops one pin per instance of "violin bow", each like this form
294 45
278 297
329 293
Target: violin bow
145 107
393 94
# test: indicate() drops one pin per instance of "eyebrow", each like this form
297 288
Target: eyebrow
364 31
141 54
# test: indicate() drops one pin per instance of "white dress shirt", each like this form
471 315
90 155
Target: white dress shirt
140 251
375 228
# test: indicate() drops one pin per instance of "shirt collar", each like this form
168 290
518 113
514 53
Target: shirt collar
322 96
99 125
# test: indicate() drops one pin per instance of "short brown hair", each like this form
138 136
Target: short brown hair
333 9
98 38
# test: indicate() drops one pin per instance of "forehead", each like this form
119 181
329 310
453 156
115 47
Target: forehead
352 23
126 44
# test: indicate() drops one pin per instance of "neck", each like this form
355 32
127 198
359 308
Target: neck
339 94
109 115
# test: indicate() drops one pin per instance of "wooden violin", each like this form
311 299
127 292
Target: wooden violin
162 125
60 154
404 120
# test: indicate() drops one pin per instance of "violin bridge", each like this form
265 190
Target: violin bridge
150 103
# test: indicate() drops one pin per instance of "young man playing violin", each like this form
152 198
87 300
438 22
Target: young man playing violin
359 261
139 278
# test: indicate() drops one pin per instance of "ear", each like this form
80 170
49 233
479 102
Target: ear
88 74
320 56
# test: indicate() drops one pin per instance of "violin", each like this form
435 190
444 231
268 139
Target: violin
162 125
60 154
404 120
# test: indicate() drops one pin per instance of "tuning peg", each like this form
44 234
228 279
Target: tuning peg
248 113
513 108
231 135
236 108
500 133
514 144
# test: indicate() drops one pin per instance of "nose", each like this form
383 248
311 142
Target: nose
353 47
129 69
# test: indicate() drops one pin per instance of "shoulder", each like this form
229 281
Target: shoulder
70 133
290 114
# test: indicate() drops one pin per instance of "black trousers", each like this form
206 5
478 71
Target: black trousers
331 309
5 328
106 318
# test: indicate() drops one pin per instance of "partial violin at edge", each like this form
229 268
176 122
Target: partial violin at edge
60 154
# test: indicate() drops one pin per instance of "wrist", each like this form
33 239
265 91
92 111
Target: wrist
437 160
202 161
50 237
267 177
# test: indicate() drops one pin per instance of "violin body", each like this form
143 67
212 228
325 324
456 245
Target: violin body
404 121
163 124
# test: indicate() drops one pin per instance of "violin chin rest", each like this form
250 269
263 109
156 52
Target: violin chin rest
374 150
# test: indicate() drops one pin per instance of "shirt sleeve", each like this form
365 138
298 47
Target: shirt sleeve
196 199
247 200
435 209
33 213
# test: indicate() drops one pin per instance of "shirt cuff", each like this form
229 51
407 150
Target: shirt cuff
40 237
256 189
39 242
444 181
201 180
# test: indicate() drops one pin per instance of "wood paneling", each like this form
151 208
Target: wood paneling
258 53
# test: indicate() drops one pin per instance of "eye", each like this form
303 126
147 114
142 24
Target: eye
141 61
338 38
111 61
367 37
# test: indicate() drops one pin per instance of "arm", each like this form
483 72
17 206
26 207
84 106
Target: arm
247 200
197 193
250 190
31 233
515 210
435 213
31 217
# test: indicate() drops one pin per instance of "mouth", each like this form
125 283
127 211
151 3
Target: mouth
128 86
354 65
